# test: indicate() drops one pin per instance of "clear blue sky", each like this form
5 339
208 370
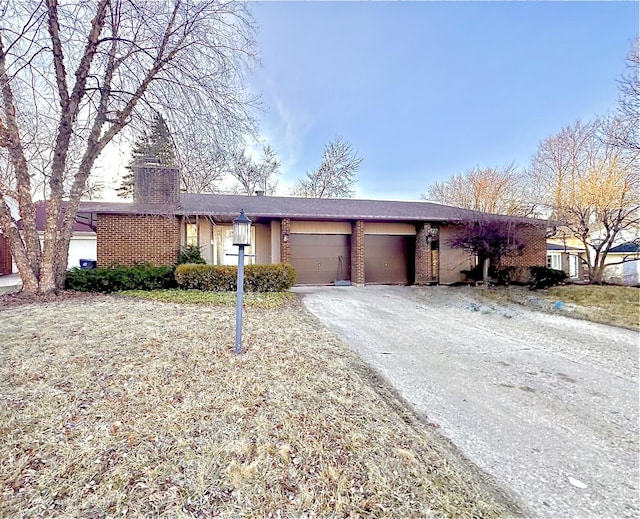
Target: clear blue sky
424 90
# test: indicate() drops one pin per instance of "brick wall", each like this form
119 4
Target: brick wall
425 272
5 256
129 239
285 246
534 253
357 252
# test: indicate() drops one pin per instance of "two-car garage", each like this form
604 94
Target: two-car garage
321 252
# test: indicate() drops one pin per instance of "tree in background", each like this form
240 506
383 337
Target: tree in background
335 176
252 176
626 133
155 146
90 69
490 190
590 186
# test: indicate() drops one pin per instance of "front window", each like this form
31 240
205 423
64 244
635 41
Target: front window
554 261
192 234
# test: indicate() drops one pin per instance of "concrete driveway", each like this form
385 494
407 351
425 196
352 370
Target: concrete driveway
547 405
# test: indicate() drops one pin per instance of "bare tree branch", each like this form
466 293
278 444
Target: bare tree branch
335 176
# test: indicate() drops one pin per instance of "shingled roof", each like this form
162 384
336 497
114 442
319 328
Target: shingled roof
227 207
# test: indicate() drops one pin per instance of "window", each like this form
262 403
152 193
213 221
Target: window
192 234
554 260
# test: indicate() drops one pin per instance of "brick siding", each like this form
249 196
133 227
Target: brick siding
285 246
129 239
534 253
357 252
5 256
426 261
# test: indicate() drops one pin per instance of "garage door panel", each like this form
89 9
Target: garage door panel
388 259
316 257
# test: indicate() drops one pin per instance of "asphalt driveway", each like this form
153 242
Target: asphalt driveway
547 405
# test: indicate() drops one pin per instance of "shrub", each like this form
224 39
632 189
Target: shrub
257 278
544 277
269 278
190 254
119 277
217 278
502 276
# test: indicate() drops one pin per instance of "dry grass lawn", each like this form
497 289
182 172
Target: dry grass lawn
614 305
117 407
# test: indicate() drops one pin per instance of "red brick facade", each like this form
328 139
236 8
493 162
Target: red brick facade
130 238
285 246
357 252
5 256
426 258
534 253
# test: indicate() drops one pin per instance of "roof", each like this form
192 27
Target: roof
227 207
83 223
628 247
563 248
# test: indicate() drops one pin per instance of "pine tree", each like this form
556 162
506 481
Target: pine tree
155 146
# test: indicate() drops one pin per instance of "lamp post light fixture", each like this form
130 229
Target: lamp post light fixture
241 238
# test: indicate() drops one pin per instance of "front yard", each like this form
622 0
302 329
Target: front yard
116 407
609 304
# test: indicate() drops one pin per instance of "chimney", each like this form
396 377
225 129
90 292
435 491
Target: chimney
155 185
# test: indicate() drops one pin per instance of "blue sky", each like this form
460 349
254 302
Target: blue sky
424 90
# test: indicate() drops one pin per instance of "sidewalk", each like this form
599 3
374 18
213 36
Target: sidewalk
10 283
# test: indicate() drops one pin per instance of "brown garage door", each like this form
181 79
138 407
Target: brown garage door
389 259
320 259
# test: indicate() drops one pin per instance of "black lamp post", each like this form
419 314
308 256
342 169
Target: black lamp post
241 238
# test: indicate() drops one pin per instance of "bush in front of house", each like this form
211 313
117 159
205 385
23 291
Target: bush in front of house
119 277
503 276
269 278
222 278
544 277
190 254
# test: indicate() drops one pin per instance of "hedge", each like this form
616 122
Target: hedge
216 278
117 278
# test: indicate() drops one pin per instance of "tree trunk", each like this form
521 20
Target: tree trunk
485 273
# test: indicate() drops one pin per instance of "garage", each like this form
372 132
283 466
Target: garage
389 259
320 259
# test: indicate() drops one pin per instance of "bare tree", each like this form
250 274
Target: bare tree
335 176
89 69
490 240
626 133
490 190
252 176
592 188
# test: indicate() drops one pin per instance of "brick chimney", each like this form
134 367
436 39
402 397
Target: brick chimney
155 185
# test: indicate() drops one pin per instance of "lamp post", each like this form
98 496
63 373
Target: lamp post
241 238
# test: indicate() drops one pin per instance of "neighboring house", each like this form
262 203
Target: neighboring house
82 244
567 258
83 240
622 265
326 240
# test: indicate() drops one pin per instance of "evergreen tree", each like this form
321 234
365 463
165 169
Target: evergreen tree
155 146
